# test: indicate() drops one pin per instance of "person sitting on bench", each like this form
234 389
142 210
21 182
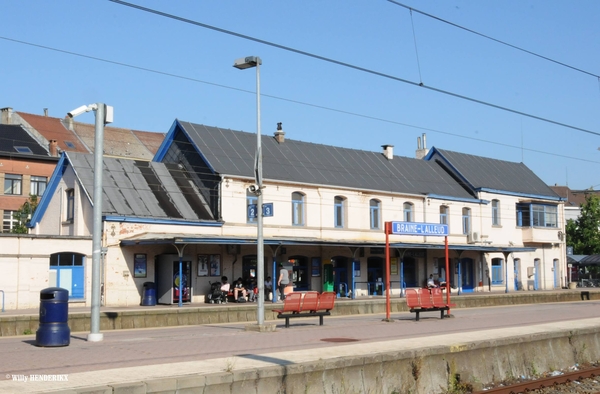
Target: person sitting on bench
430 282
239 287
225 286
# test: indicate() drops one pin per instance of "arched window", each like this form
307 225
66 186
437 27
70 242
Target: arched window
444 214
339 211
408 212
298 209
375 212
495 213
466 220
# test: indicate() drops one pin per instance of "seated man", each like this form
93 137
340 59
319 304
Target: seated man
239 287
431 282
225 286
442 281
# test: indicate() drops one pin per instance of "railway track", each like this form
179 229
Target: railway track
551 382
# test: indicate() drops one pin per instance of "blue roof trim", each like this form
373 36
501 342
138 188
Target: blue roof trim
126 219
59 170
434 152
475 200
276 241
166 144
541 197
164 147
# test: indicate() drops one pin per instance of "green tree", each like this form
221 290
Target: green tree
23 215
583 234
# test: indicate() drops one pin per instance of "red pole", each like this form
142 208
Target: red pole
388 230
447 274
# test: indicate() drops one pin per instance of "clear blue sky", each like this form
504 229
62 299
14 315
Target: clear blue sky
318 101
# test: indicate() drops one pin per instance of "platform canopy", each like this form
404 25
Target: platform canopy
180 239
575 258
593 259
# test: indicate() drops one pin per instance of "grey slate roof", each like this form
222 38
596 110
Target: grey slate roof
484 173
138 188
12 136
231 153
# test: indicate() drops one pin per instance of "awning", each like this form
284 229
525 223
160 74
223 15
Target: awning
593 259
575 258
183 239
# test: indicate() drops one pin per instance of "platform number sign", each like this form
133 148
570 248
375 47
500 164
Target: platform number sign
267 210
252 211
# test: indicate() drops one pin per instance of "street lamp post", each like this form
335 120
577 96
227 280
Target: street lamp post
242 64
104 115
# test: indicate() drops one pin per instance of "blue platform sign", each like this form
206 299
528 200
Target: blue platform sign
267 209
411 228
252 211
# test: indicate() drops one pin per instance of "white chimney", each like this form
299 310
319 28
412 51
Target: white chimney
388 151
422 149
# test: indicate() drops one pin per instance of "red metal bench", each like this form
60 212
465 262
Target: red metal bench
309 304
423 300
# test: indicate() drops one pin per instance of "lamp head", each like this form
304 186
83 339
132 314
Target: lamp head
247 62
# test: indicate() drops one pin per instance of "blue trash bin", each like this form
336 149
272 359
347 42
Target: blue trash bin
54 318
149 294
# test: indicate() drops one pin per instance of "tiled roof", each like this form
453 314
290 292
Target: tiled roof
117 141
150 140
53 129
574 198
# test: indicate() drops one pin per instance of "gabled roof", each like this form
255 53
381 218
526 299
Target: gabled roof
493 175
117 141
132 189
149 139
573 198
231 153
74 136
16 141
53 129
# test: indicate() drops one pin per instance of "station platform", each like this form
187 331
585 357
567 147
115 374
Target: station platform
355 352
19 322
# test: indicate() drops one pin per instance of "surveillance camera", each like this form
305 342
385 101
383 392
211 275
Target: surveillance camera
79 110
253 188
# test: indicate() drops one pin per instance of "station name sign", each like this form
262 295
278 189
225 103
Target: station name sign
411 228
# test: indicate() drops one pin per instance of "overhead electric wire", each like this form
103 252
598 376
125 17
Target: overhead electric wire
493 39
291 100
348 65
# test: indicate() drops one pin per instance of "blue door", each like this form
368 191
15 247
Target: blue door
340 281
517 269
536 271
467 276
375 275
70 273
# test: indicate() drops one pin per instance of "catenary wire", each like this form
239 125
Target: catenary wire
341 111
352 66
494 39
